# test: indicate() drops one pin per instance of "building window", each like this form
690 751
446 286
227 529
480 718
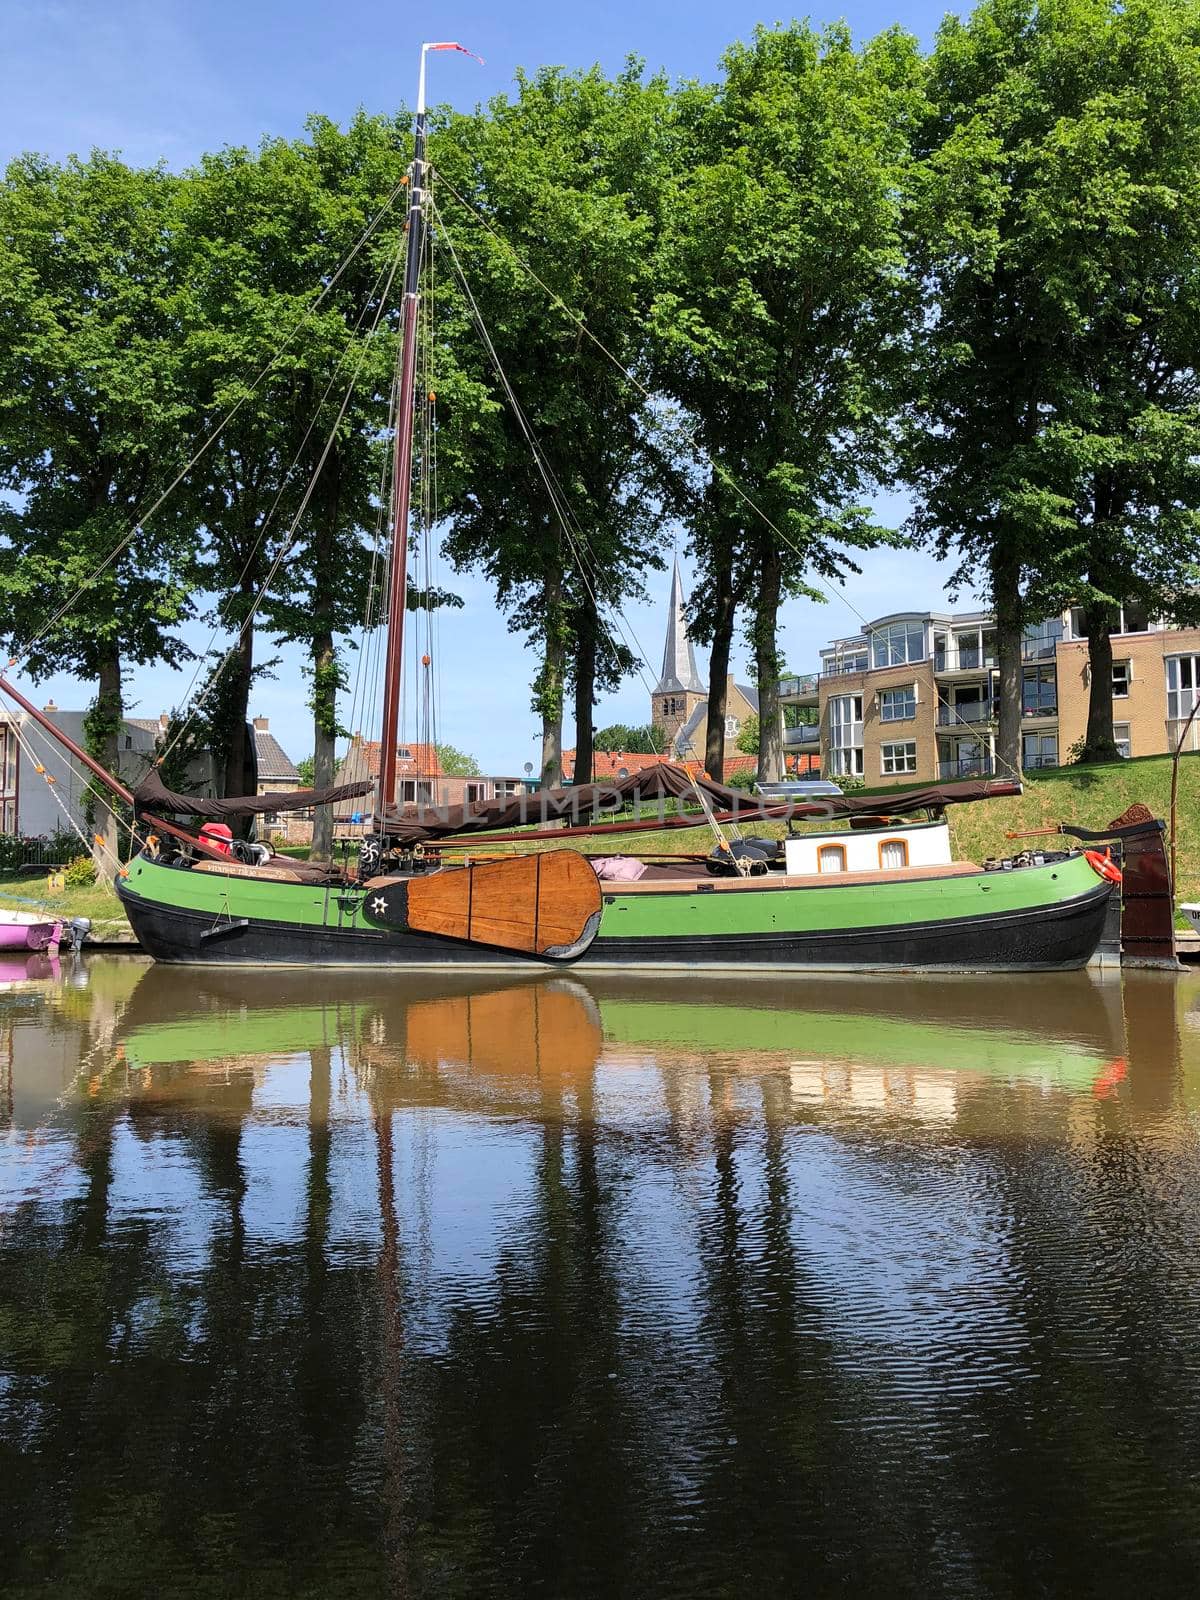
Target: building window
1121 677
897 644
831 858
846 762
411 791
1183 690
899 758
1039 750
893 853
1039 692
1122 741
845 735
731 727
898 705
1039 641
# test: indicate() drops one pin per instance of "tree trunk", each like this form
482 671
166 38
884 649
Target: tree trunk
766 660
326 678
106 748
239 675
724 614
325 681
1099 743
548 689
585 692
1006 604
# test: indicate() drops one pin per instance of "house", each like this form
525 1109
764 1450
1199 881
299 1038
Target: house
914 696
43 790
277 774
419 780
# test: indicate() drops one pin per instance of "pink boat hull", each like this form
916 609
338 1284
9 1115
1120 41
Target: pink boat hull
29 935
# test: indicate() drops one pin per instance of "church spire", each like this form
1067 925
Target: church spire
679 659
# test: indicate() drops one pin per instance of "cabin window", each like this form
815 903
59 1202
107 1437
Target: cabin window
831 858
893 853
1121 677
898 758
898 705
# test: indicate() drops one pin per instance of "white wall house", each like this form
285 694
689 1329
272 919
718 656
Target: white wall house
31 806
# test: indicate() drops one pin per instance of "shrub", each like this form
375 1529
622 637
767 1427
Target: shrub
743 779
80 872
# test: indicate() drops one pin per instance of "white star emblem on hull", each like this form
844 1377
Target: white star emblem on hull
379 905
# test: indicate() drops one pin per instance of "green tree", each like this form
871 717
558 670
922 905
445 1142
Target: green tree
1055 234
570 174
779 323
306 768
456 763
93 402
620 736
748 736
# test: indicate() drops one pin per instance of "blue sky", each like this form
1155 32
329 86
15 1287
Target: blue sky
162 80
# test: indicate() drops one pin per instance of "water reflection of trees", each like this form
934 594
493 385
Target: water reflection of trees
655 1387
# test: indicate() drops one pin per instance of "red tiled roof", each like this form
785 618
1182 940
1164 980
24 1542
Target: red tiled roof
609 766
411 759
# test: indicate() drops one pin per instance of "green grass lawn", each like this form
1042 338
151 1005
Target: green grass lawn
94 901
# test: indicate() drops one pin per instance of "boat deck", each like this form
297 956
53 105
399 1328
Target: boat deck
666 880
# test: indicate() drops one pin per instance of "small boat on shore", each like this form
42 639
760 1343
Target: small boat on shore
25 930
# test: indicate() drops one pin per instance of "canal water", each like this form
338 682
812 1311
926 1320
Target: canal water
322 1286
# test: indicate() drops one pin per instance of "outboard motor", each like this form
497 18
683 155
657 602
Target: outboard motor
74 933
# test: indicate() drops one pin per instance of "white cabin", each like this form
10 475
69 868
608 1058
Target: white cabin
913 844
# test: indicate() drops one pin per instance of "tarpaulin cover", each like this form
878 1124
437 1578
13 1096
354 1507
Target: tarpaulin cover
665 781
152 795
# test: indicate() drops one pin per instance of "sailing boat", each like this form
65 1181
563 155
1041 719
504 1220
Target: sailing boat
412 904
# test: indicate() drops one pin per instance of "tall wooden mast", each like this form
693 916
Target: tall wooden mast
402 457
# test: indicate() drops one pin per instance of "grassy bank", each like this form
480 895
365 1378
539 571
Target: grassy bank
1091 797
94 901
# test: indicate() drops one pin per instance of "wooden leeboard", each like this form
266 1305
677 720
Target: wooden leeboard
536 904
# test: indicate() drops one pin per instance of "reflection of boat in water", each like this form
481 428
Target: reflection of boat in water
16 970
1069 1032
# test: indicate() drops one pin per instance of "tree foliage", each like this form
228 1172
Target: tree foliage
779 322
456 763
1056 234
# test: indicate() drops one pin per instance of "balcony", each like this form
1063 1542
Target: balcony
949 662
966 767
807 736
1033 763
1048 710
801 688
1038 649
969 711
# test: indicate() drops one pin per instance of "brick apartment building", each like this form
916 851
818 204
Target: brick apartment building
913 697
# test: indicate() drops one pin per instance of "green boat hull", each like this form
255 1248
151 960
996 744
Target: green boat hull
1048 917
